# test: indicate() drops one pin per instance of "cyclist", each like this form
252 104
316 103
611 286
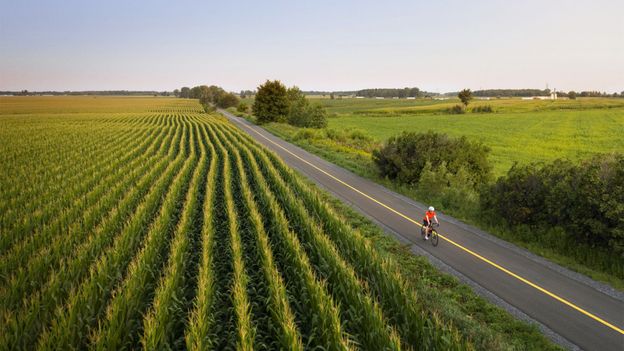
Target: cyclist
429 216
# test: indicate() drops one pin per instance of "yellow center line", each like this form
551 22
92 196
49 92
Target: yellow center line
494 264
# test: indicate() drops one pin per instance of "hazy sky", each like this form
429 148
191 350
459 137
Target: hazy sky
317 45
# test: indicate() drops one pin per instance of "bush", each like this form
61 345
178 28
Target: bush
586 200
307 134
271 102
456 191
483 109
226 100
456 110
404 157
242 107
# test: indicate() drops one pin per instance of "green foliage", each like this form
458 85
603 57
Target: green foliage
465 96
302 113
572 95
404 157
390 93
483 109
242 107
455 191
185 92
586 199
226 100
456 110
271 102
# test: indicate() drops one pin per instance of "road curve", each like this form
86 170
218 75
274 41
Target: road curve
571 306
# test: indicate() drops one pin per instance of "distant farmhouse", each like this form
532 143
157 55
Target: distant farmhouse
552 96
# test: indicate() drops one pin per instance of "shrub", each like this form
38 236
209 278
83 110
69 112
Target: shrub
404 156
455 191
307 133
271 103
242 107
483 109
226 100
456 110
586 199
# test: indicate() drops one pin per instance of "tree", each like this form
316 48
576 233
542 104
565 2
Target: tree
331 96
176 93
185 92
195 92
303 114
572 95
227 100
404 156
271 103
465 96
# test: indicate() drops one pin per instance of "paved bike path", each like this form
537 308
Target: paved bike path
562 301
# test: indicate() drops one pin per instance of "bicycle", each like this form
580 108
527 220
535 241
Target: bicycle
433 234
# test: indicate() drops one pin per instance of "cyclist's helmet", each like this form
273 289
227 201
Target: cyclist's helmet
431 208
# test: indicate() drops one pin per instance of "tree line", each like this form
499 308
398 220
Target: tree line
390 93
539 92
209 96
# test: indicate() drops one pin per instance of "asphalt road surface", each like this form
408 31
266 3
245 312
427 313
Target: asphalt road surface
586 314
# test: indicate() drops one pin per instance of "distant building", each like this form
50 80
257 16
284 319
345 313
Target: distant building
411 98
552 96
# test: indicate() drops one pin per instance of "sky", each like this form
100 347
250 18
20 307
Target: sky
438 46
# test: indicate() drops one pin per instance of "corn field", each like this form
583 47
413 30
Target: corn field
175 230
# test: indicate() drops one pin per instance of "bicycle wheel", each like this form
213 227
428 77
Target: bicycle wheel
434 237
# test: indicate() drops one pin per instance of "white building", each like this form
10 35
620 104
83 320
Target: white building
553 96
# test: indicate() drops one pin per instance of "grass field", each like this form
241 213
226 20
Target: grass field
519 131
160 227
512 137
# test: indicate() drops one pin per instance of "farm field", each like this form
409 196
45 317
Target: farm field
519 131
164 227
512 137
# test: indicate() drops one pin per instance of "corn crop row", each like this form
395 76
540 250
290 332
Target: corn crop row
178 231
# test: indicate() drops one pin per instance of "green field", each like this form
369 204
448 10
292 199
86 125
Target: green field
512 137
524 131
133 223
518 131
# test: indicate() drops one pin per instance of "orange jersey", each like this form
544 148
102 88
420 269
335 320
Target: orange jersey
429 215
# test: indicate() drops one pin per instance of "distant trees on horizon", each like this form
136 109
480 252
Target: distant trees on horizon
389 93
